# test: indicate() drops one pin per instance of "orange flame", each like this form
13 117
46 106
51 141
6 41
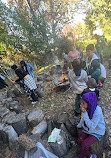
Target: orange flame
63 78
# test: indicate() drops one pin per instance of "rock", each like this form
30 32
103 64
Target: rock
12 136
20 152
4 101
66 135
53 70
71 126
40 84
59 149
27 143
41 77
72 152
40 92
61 117
17 92
49 78
35 137
18 122
35 117
14 106
2 96
8 135
10 93
40 128
3 112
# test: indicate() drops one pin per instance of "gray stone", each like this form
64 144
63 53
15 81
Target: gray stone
17 92
40 84
18 122
40 128
35 117
8 135
4 101
10 93
3 112
14 106
2 96
40 92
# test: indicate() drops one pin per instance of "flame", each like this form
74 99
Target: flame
63 78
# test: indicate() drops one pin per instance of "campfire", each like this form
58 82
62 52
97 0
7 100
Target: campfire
64 78
62 81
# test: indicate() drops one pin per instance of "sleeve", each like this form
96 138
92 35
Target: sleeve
20 76
80 123
96 74
91 124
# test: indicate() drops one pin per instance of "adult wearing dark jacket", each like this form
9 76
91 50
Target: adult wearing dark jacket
92 63
28 81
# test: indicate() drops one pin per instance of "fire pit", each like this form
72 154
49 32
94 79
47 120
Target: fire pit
62 82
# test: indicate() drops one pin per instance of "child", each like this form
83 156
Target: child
78 78
92 122
91 87
28 81
27 67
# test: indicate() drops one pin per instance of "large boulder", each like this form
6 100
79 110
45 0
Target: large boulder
71 125
3 112
40 128
3 95
27 143
8 135
35 117
18 122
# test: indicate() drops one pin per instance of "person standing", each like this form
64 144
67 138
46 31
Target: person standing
73 54
27 67
28 81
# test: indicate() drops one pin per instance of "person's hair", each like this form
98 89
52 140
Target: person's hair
83 64
22 62
90 47
91 83
76 65
14 67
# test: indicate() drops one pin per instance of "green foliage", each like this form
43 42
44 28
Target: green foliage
64 45
83 44
107 50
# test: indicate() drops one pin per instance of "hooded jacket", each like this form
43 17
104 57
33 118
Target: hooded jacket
93 67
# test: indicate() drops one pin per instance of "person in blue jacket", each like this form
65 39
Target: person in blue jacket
92 123
27 67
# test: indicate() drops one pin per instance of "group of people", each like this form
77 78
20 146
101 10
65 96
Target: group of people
26 79
86 78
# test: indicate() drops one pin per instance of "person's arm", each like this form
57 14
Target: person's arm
91 124
19 74
96 74
80 123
